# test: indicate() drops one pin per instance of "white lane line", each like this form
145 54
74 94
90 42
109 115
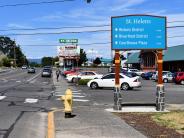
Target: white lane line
2 97
75 100
80 100
59 95
30 100
34 77
18 81
76 91
78 96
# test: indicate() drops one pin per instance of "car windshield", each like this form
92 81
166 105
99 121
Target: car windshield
46 70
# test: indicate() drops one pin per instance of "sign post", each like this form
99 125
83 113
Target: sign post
160 94
140 32
117 94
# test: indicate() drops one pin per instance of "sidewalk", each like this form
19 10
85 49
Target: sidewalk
90 121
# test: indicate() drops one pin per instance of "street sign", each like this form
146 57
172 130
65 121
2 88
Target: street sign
68 40
138 32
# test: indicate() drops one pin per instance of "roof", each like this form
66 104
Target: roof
175 53
105 60
133 58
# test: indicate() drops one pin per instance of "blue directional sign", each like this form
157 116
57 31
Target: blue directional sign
138 32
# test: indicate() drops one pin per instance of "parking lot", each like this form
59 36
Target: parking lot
145 94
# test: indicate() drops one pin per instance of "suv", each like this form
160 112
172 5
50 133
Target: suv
179 78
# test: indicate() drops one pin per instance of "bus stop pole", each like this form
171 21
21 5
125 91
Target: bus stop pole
160 94
117 94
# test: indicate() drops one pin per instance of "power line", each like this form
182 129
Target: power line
175 22
55 33
70 27
54 28
34 3
77 44
176 36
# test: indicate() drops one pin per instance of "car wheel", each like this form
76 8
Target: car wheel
165 80
73 80
182 82
125 86
94 85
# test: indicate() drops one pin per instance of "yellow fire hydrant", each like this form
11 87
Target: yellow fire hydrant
67 100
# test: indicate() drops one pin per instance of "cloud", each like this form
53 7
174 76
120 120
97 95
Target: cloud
126 4
18 26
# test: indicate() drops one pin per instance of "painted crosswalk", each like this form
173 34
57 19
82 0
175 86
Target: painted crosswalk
2 97
77 96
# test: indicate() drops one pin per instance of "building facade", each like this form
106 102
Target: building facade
173 59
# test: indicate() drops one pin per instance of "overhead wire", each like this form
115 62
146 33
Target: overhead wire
69 27
35 3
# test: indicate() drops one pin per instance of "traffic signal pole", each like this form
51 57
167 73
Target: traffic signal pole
117 94
160 94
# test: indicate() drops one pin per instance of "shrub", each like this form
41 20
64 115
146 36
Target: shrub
83 81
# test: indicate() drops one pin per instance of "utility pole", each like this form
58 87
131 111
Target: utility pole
14 52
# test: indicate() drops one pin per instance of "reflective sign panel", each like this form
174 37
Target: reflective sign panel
138 32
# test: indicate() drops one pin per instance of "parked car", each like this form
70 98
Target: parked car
148 75
155 75
65 73
83 75
24 67
31 70
108 80
167 77
130 74
46 72
112 70
179 78
138 72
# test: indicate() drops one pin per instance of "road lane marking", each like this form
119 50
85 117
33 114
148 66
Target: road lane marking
18 81
16 75
76 93
80 100
34 77
2 97
51 125
31 100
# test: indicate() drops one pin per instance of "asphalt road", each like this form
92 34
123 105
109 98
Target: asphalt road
24 102
146 94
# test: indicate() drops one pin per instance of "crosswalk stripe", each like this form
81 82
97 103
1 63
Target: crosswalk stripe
2 97
80 100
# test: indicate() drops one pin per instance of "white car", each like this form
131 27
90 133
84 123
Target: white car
83 75
138 72
109 81
166 76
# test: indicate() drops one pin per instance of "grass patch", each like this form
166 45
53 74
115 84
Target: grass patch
83 81
174 120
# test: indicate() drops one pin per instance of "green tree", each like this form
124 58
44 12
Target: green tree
6 62
97 61
9 48
34 64
47 61
83 57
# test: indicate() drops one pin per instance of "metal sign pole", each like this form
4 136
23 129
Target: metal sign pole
117 94
160 94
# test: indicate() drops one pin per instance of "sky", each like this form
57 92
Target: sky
79 13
